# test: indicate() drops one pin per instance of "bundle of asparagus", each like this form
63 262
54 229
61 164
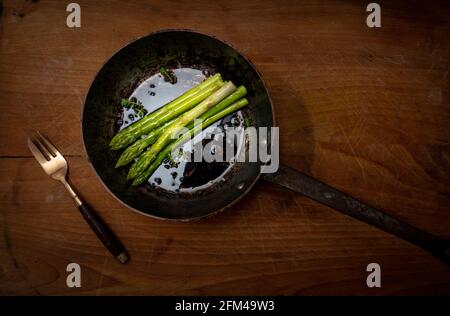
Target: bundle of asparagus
210 101
173 109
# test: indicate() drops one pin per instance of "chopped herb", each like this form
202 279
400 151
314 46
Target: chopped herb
247 122
134 104
168 75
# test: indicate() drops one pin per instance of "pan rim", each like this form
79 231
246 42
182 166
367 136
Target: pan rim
187 219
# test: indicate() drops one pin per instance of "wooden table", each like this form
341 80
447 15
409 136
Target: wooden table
363 109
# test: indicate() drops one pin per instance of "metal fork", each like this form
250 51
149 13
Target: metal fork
55 166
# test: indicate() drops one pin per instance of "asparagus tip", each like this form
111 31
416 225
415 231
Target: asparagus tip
130 175
135 183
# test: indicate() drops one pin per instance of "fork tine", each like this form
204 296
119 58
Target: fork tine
49 145
42 147
36 152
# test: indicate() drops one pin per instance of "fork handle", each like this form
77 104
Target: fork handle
104 233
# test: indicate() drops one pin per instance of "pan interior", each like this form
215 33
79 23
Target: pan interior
178 175
129 73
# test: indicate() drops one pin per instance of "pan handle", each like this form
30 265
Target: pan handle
327 195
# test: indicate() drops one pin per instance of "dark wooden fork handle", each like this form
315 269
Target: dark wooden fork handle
104 233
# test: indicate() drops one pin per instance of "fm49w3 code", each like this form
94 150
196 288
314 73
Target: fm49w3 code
246 306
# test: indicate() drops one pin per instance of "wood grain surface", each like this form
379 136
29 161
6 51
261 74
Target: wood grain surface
364 109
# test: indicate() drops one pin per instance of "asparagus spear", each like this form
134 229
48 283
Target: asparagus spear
185 96
146 159
131 136
136 149
192 132
240 92
138 146
177 106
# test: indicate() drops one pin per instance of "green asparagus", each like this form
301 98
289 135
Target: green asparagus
236 95
138 146
165 153
146 159
155 119
161 119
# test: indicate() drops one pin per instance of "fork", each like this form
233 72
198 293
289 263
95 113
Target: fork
55 166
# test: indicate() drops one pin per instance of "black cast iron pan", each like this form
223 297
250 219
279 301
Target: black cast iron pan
133 71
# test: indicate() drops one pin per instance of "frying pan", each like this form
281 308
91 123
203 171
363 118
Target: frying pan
133 64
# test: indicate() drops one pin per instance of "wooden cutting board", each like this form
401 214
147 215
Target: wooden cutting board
364 109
